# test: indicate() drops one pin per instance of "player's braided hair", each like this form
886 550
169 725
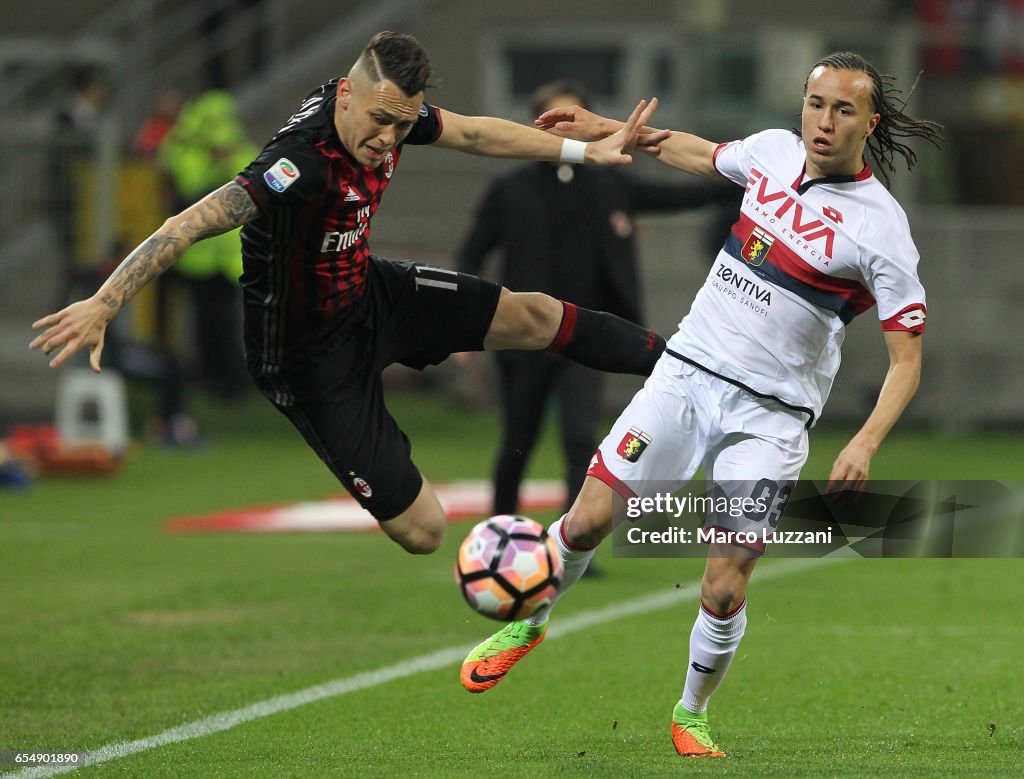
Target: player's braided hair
399 58
893 124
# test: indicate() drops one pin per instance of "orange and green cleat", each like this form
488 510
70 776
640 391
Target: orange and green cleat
691 735
488 663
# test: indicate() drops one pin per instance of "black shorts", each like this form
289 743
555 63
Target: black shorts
416 315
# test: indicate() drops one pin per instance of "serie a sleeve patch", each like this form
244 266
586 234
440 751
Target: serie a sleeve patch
281 175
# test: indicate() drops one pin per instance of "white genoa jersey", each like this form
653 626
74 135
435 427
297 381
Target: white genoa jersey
804 258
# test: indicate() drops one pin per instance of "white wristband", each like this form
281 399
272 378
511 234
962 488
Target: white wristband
572 151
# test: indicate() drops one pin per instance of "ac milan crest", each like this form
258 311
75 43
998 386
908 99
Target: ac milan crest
361 485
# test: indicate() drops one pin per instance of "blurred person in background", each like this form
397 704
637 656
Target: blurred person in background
77 125
206 146
569 231
228 54
90 93
147 363
167 104
1005 36
323 316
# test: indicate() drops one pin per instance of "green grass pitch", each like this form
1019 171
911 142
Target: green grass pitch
112 630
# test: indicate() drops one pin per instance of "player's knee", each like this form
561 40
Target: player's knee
723 592
586 525
421 540
420 528
417 531
426 545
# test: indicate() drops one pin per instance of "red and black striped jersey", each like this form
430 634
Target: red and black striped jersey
305 257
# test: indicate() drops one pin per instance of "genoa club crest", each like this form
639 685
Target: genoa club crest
633 444
757 246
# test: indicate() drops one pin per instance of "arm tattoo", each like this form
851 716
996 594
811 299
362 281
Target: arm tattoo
156 254
227 208
220 211
238 206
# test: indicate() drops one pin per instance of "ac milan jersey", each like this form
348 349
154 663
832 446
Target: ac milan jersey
305 257
804 258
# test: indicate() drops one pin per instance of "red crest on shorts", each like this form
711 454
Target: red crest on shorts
361 486
633 444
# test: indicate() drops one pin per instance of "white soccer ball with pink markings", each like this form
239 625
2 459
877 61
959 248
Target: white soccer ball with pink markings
508 567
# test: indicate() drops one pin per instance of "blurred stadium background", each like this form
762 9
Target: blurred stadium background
113 629
722 68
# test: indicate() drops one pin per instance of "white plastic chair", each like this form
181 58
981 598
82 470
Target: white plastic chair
92 408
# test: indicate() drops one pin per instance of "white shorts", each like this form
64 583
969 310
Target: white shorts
684 418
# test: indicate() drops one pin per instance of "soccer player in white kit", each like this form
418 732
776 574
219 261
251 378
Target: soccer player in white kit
818 241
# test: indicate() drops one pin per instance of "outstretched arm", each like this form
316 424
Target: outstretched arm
850 471
491 137
687 152
85 322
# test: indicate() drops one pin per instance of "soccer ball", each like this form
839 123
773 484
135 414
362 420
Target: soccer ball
508 567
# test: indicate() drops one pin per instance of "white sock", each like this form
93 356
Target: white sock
575 562
713 643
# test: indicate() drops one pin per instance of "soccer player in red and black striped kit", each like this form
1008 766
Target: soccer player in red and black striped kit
324 317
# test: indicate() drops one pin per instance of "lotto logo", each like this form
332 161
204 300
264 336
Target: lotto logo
913 318
832 214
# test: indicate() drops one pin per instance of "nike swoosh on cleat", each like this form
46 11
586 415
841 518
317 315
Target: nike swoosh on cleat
474 676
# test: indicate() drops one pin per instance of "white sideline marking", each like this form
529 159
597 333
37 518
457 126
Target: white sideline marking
428 662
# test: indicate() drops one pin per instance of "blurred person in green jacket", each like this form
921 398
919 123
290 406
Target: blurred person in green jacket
206 146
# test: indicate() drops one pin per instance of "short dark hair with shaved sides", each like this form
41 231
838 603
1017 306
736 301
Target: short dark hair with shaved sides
399 58
547 92
887 102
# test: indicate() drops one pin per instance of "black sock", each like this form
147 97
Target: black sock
606 342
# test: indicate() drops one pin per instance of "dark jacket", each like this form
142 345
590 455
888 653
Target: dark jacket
575 239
